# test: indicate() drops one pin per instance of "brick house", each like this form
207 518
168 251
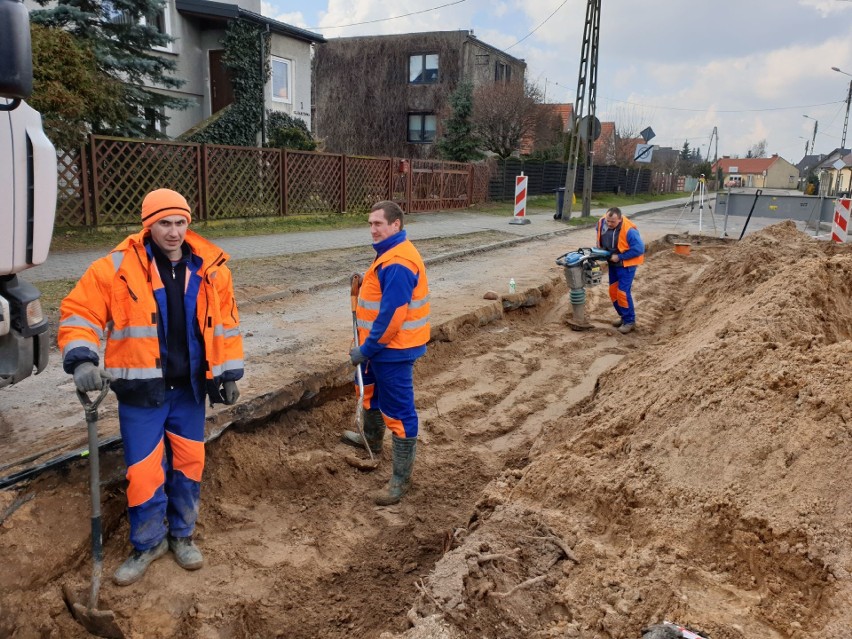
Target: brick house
387 95
766 173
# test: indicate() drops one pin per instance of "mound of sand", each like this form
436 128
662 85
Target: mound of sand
705 482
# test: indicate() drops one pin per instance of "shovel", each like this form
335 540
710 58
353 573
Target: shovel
100 623
357 462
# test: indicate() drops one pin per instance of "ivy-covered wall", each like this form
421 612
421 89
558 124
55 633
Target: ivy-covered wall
240 123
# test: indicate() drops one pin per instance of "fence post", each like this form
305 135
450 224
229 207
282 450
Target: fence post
409 176
95 190
203 175
344 177
285 185
85 180
470 177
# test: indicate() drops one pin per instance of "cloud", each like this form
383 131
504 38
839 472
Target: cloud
295 18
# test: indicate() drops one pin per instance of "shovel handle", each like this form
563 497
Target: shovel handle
354 289
91 406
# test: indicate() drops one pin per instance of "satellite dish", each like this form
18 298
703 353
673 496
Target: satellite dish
583 130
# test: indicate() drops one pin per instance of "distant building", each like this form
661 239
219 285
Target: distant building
767 173
388 95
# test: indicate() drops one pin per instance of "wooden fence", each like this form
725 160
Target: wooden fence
104 182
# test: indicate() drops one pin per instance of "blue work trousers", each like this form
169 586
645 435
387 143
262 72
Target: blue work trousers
164 454
389 387
620 283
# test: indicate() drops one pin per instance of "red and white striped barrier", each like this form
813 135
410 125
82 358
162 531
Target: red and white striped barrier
520 216
839 229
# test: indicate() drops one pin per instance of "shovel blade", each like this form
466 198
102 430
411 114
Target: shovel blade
362 464
100 623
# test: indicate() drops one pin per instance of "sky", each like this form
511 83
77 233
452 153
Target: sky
754 69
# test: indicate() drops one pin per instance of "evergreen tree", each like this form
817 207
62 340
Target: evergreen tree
122 35
685 153
69 90
459 142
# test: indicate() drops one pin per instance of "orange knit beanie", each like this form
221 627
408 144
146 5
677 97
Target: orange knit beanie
163 203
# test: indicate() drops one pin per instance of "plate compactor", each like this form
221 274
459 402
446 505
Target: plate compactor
582 269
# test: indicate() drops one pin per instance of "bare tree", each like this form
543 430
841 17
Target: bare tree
757 150
503 113
629 122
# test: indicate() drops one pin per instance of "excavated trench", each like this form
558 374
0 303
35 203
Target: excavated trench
566 484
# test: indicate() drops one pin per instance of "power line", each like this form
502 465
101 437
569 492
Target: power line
539 26
404 15
787 108
655 106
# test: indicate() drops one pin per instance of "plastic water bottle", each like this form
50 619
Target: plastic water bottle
512 286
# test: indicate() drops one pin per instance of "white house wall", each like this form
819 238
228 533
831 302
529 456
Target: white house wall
299 54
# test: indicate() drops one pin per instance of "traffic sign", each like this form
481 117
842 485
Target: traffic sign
647 133
643 153
583 130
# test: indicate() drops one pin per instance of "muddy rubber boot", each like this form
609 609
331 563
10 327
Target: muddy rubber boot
626 328
404 450
374 430
617 322
187 554
137 563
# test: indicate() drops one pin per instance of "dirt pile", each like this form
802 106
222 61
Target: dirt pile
566 485
705 482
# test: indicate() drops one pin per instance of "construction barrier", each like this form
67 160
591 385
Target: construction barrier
520 216
839 229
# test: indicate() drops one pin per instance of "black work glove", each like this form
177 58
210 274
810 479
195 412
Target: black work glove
356 356
230 393
88 377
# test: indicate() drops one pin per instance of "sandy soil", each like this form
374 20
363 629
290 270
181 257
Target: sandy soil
567 484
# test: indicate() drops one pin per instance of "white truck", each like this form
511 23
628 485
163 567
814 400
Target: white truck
28 185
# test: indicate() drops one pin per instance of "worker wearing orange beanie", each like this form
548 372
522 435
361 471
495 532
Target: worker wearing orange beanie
164 300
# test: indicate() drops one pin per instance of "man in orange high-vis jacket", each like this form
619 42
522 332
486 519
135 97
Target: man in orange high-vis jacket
620 236
392 316
164 300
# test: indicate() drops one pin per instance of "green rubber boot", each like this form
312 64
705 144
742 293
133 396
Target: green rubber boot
404 450
374 430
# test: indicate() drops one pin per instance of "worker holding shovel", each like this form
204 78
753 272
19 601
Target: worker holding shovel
392 318
165 298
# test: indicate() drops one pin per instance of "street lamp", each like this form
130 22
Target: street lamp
816 125
848 100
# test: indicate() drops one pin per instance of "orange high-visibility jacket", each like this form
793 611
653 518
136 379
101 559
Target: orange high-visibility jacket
627 233
409 325
116 298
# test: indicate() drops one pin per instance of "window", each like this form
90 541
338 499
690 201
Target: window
422 127
154 121
159 19
282 80
502 72
423 69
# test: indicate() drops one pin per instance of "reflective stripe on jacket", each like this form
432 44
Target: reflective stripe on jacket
121 295
624 242
407 324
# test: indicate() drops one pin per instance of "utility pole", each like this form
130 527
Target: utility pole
588 71
846 119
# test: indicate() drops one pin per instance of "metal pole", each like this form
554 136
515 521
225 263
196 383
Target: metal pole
574 142
593 91
846 119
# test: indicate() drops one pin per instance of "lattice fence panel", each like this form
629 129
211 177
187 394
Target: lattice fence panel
242 182
425 189
314 182
125 171
454 189
481 176
71 189
367 182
